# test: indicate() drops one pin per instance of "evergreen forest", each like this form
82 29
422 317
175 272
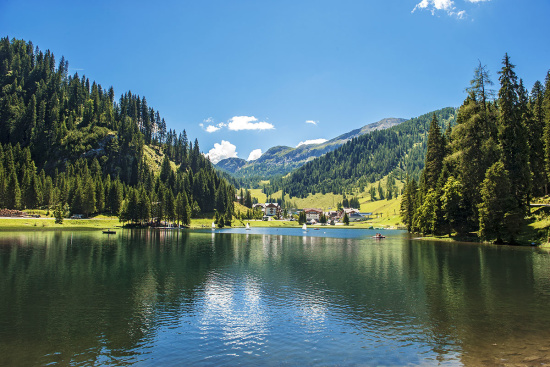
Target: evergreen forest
66 143
483 174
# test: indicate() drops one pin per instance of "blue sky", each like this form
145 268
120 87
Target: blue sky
255 74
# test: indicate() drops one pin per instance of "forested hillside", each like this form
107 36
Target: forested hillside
280 160
66 142
482 176
367 158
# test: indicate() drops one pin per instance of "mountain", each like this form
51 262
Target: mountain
367 158
231 165
280 160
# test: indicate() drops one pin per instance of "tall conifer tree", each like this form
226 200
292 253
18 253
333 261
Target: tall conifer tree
512 134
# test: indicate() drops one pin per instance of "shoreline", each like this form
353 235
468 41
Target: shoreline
48 224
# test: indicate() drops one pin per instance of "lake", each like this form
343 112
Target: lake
269 297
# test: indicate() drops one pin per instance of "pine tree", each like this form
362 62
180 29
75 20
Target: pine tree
499 216
372 193
89 203
453 205
248 200
58 213
425 220
100 195
380 191
183 209
473 143
346 219
434 155
546 117
144 205
13 192
408 203
536 142
513 135
165 169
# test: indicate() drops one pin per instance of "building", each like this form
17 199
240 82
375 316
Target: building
261 206
313 214
353 214
332 214
272 209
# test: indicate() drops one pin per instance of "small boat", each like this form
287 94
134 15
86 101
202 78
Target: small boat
247 226
378 236
316 229
108 231
213 226
304 227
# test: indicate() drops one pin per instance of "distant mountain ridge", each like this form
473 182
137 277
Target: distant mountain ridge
283 159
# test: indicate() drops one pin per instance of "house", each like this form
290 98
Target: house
272 209
332 214
353 214
356 217
261 206
313 214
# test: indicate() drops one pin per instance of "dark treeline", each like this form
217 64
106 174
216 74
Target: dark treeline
366 159
483 174
66 142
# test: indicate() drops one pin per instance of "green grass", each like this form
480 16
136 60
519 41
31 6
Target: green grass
385 212
154 157
102 222
319 200
258 194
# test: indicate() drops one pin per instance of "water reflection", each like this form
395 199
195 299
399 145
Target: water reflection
180 297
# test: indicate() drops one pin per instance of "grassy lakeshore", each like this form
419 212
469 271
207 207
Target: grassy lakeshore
39 224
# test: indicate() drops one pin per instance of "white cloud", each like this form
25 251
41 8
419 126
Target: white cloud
238 123
421 5
312 141
221 151
212 128
447 6
312 122
444 5
255 154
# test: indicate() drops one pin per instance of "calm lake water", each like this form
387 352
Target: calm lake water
269 297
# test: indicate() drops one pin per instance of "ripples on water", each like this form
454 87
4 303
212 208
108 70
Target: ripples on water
263 298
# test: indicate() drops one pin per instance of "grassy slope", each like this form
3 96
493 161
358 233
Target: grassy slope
154 157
